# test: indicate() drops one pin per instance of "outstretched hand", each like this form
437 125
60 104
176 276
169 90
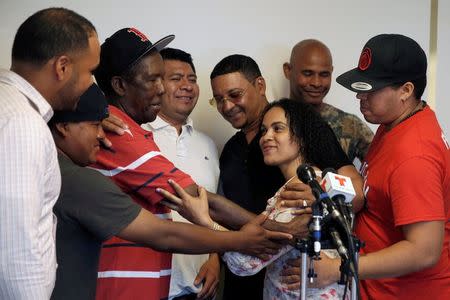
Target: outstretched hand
261 242
194 209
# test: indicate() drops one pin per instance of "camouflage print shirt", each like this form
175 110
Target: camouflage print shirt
352 133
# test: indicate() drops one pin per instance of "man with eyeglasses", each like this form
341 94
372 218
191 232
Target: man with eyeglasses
240 97
239 94
131 76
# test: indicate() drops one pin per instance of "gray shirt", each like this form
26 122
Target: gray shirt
90 210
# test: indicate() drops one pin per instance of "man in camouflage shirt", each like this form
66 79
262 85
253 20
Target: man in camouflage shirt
309 74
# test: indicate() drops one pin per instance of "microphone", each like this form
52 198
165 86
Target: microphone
306 174
315 227
340 189
341 249
335 184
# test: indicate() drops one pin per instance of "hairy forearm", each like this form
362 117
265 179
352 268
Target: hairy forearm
227 213
191 239
168 236
187 238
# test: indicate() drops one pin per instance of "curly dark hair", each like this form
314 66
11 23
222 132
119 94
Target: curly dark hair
317 142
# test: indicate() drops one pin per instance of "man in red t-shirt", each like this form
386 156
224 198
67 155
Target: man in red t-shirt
405 221
130 74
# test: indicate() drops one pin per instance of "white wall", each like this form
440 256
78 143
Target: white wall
211 30
443 67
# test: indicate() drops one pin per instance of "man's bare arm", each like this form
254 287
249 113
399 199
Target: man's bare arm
227 213
179 237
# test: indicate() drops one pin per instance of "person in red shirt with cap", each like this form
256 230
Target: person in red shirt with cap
405 221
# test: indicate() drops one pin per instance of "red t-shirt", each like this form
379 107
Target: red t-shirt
128 270
406 180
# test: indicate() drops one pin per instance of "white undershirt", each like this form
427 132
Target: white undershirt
194 153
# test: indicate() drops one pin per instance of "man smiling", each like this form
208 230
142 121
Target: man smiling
131 74
309 73
193 152
91 208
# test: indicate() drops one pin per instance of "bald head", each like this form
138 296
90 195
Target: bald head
310 47
309 71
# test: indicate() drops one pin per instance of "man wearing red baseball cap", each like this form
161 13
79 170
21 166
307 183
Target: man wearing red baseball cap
405 221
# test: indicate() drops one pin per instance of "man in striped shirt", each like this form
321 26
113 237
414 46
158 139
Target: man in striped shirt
91 208
54 53
130 74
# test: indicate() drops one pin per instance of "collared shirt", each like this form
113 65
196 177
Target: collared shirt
135 163
30 182
194 153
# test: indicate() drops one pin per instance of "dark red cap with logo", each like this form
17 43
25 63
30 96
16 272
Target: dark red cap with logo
123 50
386 59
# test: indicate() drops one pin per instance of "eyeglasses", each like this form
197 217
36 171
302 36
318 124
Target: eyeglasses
234 96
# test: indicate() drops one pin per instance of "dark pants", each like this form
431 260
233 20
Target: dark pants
186 297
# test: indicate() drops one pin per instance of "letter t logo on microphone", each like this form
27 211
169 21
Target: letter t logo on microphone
336 184
323 184
341 180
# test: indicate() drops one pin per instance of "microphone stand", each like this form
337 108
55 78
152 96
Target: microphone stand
338 217
306 249
303 246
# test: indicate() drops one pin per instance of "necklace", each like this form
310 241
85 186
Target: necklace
419 107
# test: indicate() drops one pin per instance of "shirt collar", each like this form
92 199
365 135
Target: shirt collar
159 123
37 101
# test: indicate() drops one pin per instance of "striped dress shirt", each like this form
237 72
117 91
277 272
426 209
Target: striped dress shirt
128 270
30 182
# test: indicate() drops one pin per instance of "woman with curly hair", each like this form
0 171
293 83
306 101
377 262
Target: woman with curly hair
292 133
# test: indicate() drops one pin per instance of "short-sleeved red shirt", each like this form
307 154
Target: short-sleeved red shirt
406 180
128 270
